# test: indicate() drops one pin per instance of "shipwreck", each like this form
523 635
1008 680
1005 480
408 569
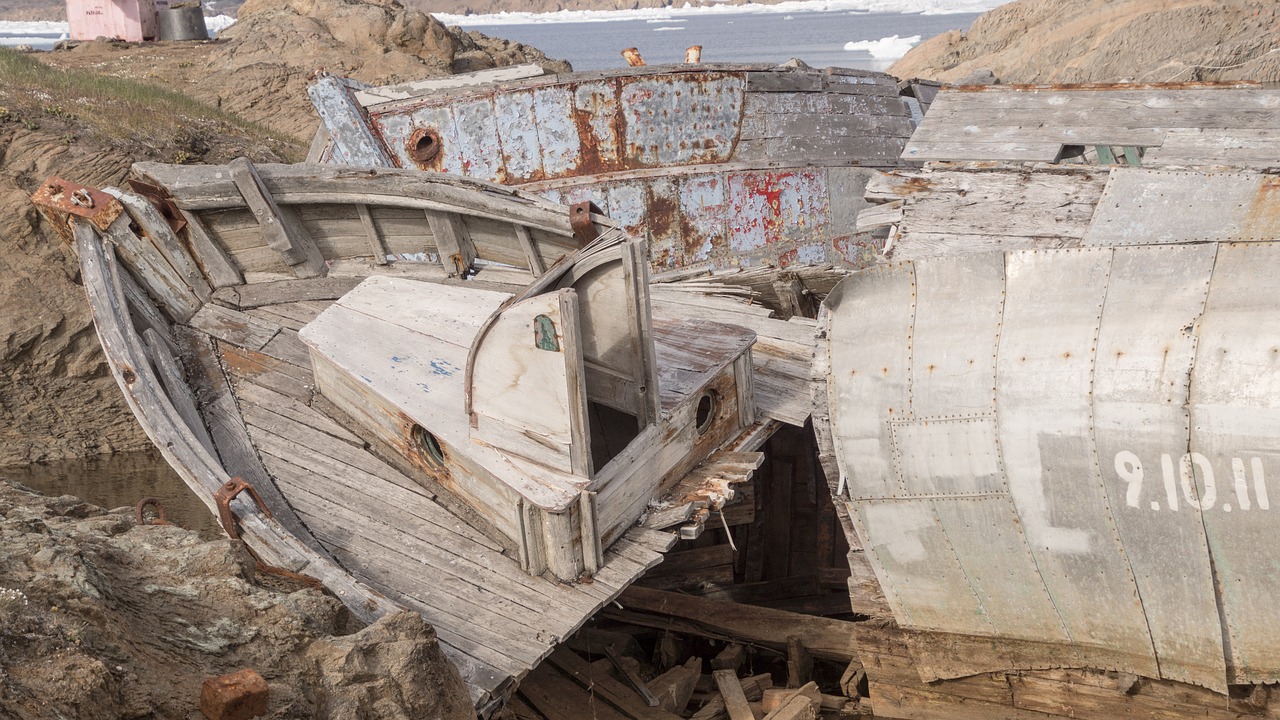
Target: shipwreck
1012 458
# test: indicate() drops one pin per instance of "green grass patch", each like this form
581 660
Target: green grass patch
115 108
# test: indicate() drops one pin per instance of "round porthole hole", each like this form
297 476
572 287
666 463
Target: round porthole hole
427 446
423 146
706 412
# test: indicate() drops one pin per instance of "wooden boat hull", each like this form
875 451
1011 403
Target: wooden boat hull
199 294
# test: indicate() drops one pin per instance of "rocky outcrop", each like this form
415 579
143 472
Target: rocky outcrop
101 618
261 66
1048 41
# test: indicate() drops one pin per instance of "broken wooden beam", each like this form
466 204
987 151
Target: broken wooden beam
763 627
604 686
735 701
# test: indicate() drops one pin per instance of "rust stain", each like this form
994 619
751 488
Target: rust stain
911 186
128 375
247 362
1262 219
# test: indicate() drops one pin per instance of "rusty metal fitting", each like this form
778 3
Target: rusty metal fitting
584 229
693 55
228 492
423 147
58 200
161 201
238 696
139 512
633 58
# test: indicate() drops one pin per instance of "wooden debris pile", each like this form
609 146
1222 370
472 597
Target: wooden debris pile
750 619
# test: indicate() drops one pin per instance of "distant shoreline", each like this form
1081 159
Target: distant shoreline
901 7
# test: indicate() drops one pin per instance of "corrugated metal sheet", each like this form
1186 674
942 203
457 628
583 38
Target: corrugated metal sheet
1071 446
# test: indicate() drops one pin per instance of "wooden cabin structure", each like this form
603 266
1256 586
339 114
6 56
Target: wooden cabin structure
425 392
715 165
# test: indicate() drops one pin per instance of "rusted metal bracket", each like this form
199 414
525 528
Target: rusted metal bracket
58 200
139 512
162 201
228 492
584 229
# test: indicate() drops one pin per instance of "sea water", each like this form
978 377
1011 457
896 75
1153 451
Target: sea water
868 34
819 37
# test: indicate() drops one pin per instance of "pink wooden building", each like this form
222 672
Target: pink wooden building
132 20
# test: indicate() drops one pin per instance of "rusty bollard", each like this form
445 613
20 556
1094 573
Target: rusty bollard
238 696
633 57
693 55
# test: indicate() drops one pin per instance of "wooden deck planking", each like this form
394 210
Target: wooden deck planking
491 615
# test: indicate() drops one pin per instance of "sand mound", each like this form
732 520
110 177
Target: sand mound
1043 41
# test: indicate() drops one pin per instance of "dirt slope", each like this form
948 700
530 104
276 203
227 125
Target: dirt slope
101 618
1039 41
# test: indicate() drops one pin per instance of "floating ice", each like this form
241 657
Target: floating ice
888 48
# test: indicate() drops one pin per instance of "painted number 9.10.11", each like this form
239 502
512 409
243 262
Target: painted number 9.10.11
1181 486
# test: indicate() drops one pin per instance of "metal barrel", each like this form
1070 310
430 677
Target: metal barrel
182 23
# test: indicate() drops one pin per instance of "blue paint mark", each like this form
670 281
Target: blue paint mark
396 359
367 379
425 388
442 367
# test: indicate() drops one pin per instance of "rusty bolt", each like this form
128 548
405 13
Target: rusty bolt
238 696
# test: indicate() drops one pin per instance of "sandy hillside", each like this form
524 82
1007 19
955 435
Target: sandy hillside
1039 41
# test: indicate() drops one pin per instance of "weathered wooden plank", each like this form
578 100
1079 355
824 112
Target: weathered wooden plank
371 232
532 256
156 229
176 387
824 638
373 96
218 266
282 233
735 702
234 327
559 698
244 297
153 273
341 114
457 252
605 686
251 366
